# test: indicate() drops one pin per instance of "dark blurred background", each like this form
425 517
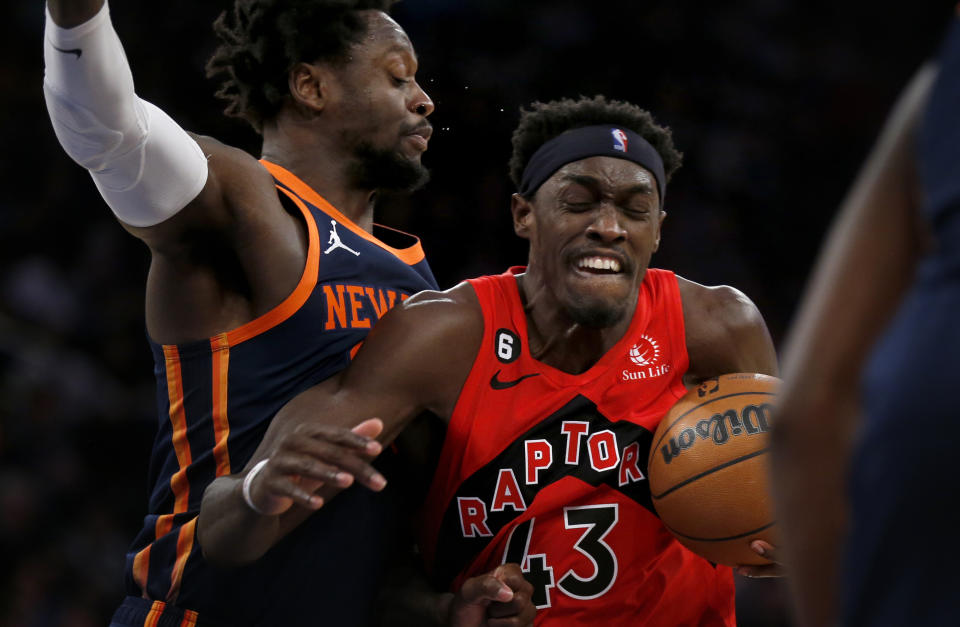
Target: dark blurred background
774 103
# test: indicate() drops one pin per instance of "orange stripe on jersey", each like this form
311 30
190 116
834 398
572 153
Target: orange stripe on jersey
356 347
294 301
153 617
410 256
141 568
178 418
221 426
184 546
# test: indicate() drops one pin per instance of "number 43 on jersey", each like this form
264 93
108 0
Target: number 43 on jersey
596 522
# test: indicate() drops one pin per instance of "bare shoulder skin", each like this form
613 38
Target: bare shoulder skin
724 333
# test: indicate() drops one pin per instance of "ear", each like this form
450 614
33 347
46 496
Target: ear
656 243
523 219
310 86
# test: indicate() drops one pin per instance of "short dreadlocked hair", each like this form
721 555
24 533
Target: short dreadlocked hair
545 120
261 41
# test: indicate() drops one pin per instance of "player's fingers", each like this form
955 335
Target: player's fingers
507 610
348 460
283 487
362 441
520 607
512 575
272 494
370 428
485 588
767 550
294 465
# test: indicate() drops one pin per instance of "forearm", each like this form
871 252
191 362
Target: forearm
229 531
866 266
295 470
146 167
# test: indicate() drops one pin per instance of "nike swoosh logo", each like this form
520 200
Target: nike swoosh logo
497 384
76 51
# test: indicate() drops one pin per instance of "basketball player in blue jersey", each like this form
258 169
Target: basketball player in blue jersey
877 337
264 276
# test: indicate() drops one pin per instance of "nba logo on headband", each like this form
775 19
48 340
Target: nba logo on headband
619 140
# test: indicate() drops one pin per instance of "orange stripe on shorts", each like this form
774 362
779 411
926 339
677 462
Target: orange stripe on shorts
221 425
141 569
156 610
189 619
184 546
178 419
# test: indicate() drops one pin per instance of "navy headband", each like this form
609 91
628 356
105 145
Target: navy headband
590 141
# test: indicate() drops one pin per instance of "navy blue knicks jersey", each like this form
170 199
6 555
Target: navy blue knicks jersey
902 476
216 398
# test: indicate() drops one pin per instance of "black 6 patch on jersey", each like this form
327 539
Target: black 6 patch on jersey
507 345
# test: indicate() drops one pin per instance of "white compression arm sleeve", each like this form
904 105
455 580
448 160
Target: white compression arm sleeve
146 167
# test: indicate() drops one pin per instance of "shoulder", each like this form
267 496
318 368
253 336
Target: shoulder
233 172
435 313
725 331
720 306
423 347
237 187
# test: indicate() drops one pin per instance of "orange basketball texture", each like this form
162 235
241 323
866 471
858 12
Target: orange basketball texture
708 468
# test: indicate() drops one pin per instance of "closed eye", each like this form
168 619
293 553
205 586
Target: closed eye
578 206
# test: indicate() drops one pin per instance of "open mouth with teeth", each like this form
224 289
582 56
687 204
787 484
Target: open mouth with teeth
599 265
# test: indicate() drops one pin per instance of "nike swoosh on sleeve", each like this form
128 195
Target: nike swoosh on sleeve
76 51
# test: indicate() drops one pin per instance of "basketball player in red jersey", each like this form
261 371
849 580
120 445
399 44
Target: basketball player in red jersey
552 380
241 311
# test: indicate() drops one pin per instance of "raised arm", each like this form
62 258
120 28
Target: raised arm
416 358
146 167
861 275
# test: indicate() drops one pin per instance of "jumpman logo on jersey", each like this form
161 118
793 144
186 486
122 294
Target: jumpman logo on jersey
335 242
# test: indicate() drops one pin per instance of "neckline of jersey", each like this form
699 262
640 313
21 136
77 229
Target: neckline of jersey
411 255
555 375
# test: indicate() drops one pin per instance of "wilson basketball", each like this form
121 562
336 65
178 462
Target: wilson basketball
708 468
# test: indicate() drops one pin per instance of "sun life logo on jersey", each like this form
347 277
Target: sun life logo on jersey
645 354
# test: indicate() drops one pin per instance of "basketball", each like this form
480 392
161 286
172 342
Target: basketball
708 468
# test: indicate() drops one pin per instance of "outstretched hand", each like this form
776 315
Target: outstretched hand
764 549
314 455
501 598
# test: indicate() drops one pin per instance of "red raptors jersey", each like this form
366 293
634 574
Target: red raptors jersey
548 469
